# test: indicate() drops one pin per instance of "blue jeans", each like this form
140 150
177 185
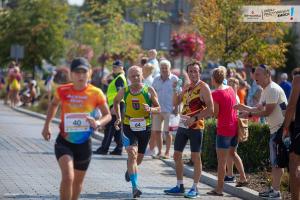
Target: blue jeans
273 147
224 142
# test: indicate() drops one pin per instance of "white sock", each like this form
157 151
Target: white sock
195 186
179 182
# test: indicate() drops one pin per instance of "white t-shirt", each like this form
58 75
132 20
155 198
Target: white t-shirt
156 71
273 93
148 81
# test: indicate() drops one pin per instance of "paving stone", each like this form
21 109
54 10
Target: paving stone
28 168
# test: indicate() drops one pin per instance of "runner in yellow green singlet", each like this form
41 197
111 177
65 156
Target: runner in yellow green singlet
140 102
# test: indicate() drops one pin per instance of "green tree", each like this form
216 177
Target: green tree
37 25
228 38
292 38
115 36
143 10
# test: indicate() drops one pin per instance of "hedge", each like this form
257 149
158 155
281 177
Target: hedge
254 152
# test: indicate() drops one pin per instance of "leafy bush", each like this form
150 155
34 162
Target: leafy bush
254 152
2 93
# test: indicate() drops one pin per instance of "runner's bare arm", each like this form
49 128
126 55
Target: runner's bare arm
216 109
106 116
242 107
117 102
50 114
290 111
155 105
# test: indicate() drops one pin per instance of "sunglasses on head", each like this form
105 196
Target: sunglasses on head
263 66
296 73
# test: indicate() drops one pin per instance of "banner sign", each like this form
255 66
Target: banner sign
266 13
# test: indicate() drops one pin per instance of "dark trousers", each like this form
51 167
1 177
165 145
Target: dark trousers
110 132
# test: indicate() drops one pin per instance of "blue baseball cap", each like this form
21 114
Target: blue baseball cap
80 63
117 63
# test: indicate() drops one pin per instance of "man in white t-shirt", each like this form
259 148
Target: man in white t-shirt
272 105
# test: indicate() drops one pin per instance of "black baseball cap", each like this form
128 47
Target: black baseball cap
80 63
117 63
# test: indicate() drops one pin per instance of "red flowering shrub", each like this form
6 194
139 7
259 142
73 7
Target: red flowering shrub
187 44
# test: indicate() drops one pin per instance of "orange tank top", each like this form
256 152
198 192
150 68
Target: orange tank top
192 104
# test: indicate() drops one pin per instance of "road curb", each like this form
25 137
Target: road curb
206 178
96 135
34 114
211 180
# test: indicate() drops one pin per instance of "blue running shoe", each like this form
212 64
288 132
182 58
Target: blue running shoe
175 191
192 194
229 179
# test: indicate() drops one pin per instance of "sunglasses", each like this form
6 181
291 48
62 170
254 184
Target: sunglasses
263 66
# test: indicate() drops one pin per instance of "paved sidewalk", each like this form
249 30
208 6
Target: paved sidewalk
28 169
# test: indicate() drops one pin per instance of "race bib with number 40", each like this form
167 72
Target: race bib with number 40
137 124
76 122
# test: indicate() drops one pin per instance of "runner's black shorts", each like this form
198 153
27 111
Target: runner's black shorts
139 138
81 153
183 135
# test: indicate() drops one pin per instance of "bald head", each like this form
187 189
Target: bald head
133 69
135 75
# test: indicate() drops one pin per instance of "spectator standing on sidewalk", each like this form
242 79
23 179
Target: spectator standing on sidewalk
285 84
99 77
118 82
15 86
234 83
197 104
254 93
143 61
49 84
73 148
10 70
272 105
152 54
224 98
292 126
140 102
147 74
163 85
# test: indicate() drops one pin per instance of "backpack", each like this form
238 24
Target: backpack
243 131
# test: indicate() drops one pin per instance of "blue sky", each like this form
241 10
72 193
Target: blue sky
76 2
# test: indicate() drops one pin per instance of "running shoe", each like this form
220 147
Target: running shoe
176 191
192 194
136 192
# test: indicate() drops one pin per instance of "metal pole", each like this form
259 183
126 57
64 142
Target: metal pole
181 65
157 35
